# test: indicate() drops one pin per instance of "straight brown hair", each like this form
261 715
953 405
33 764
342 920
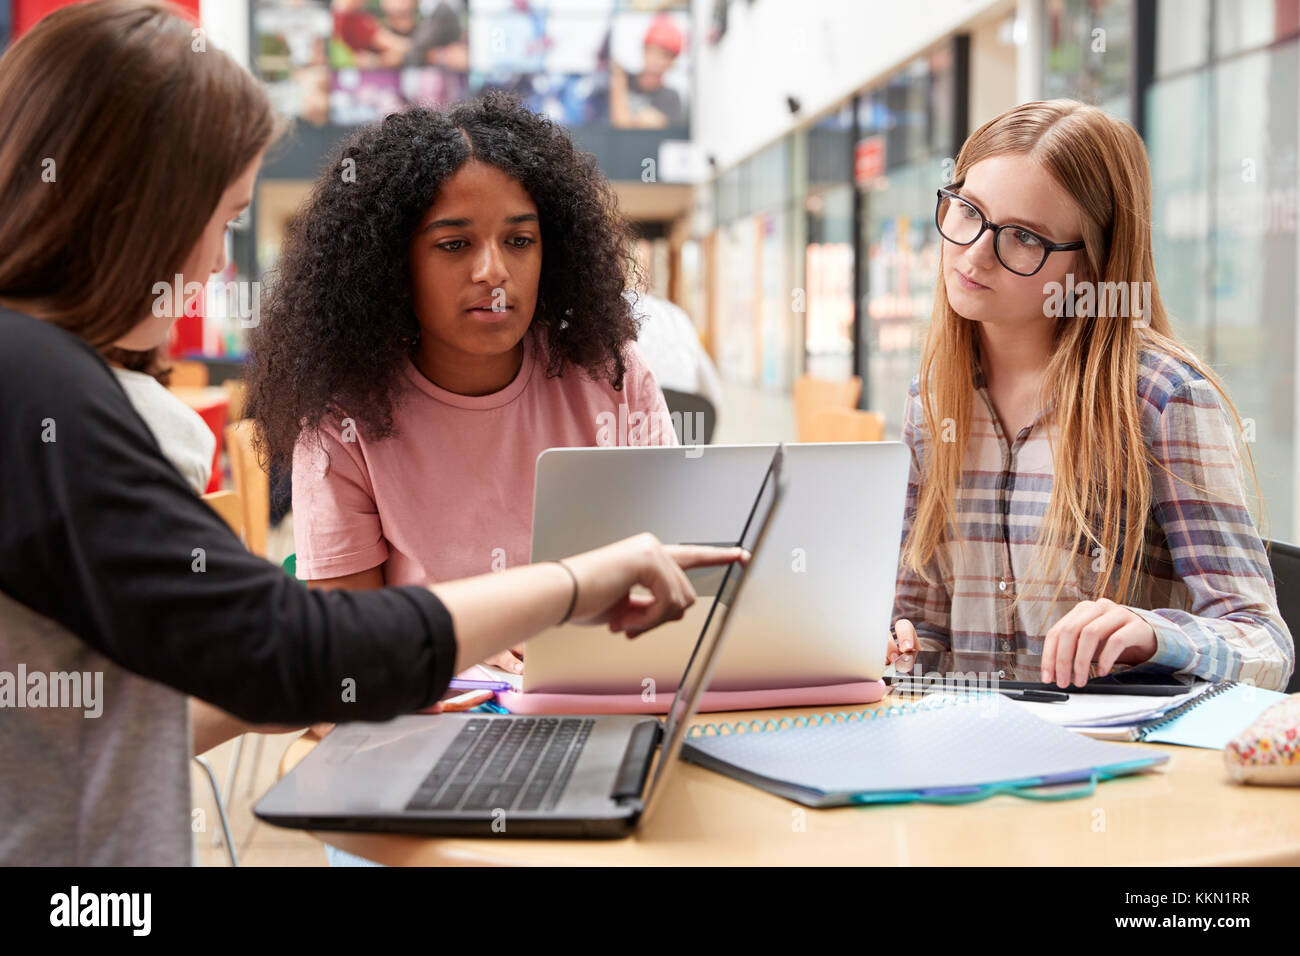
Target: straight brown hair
120 129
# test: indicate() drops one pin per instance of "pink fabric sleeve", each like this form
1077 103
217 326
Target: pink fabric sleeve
336 527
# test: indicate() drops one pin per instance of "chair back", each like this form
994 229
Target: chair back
694 416
189 374
847 424
811 395
1284 559
251 484
238 392
229 507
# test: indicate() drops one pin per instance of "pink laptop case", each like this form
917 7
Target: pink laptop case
859 692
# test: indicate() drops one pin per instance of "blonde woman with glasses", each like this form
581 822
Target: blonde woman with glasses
1077 502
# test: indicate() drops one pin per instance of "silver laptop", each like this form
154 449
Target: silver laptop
820 598
471 774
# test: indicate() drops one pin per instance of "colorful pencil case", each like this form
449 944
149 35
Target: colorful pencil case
1268 751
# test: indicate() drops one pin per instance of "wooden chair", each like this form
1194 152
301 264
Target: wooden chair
186 374
251 484
228 505
811 395
238 392
846 424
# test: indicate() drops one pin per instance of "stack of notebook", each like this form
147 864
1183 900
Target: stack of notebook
942 750
1208 715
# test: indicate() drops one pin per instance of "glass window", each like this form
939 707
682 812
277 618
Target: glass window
897 256
942 102
737 250
830 149
1178 131
776 317
757 269
1253 295
1224 230
771 185
1087 47
728 198
1247 24
900 269
828 251
913 110
828 283
1182 35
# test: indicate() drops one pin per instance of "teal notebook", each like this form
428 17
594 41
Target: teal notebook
940 750
1210 719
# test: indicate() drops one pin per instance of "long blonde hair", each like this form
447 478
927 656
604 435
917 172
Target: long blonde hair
1102 482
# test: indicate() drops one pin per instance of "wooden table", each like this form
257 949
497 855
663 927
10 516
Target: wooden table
1185 813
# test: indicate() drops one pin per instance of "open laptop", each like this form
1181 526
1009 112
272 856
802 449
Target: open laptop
471 774
820 599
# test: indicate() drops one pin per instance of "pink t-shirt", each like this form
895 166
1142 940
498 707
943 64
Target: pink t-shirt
451 495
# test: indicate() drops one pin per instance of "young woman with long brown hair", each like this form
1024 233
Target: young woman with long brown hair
1077 498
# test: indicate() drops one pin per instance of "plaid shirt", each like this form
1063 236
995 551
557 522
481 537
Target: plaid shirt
1205 585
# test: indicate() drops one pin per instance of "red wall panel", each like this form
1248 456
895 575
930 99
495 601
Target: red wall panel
27 12
187 334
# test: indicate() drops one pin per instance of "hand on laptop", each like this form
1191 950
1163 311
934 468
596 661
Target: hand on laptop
511 660
1100 631
608 576
902 648
632 585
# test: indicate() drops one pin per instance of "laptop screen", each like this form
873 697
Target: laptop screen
699 666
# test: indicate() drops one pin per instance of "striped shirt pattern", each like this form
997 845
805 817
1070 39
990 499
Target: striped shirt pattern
1204 586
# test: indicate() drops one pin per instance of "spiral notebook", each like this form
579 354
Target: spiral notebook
943 749
1208 719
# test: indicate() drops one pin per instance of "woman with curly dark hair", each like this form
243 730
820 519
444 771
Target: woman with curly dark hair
448 305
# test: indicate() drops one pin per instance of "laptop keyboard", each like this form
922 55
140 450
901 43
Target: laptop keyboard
518 764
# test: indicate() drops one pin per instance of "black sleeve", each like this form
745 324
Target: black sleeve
100 533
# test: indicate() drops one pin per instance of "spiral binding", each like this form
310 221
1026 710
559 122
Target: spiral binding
808 721
1184 707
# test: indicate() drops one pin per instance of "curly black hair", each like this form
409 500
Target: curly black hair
338 325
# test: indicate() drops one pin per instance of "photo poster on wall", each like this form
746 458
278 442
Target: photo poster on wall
613 63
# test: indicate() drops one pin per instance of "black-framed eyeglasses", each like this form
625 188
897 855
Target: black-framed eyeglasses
1020 250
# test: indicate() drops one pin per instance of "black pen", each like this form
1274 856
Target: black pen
1037 696
902 685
